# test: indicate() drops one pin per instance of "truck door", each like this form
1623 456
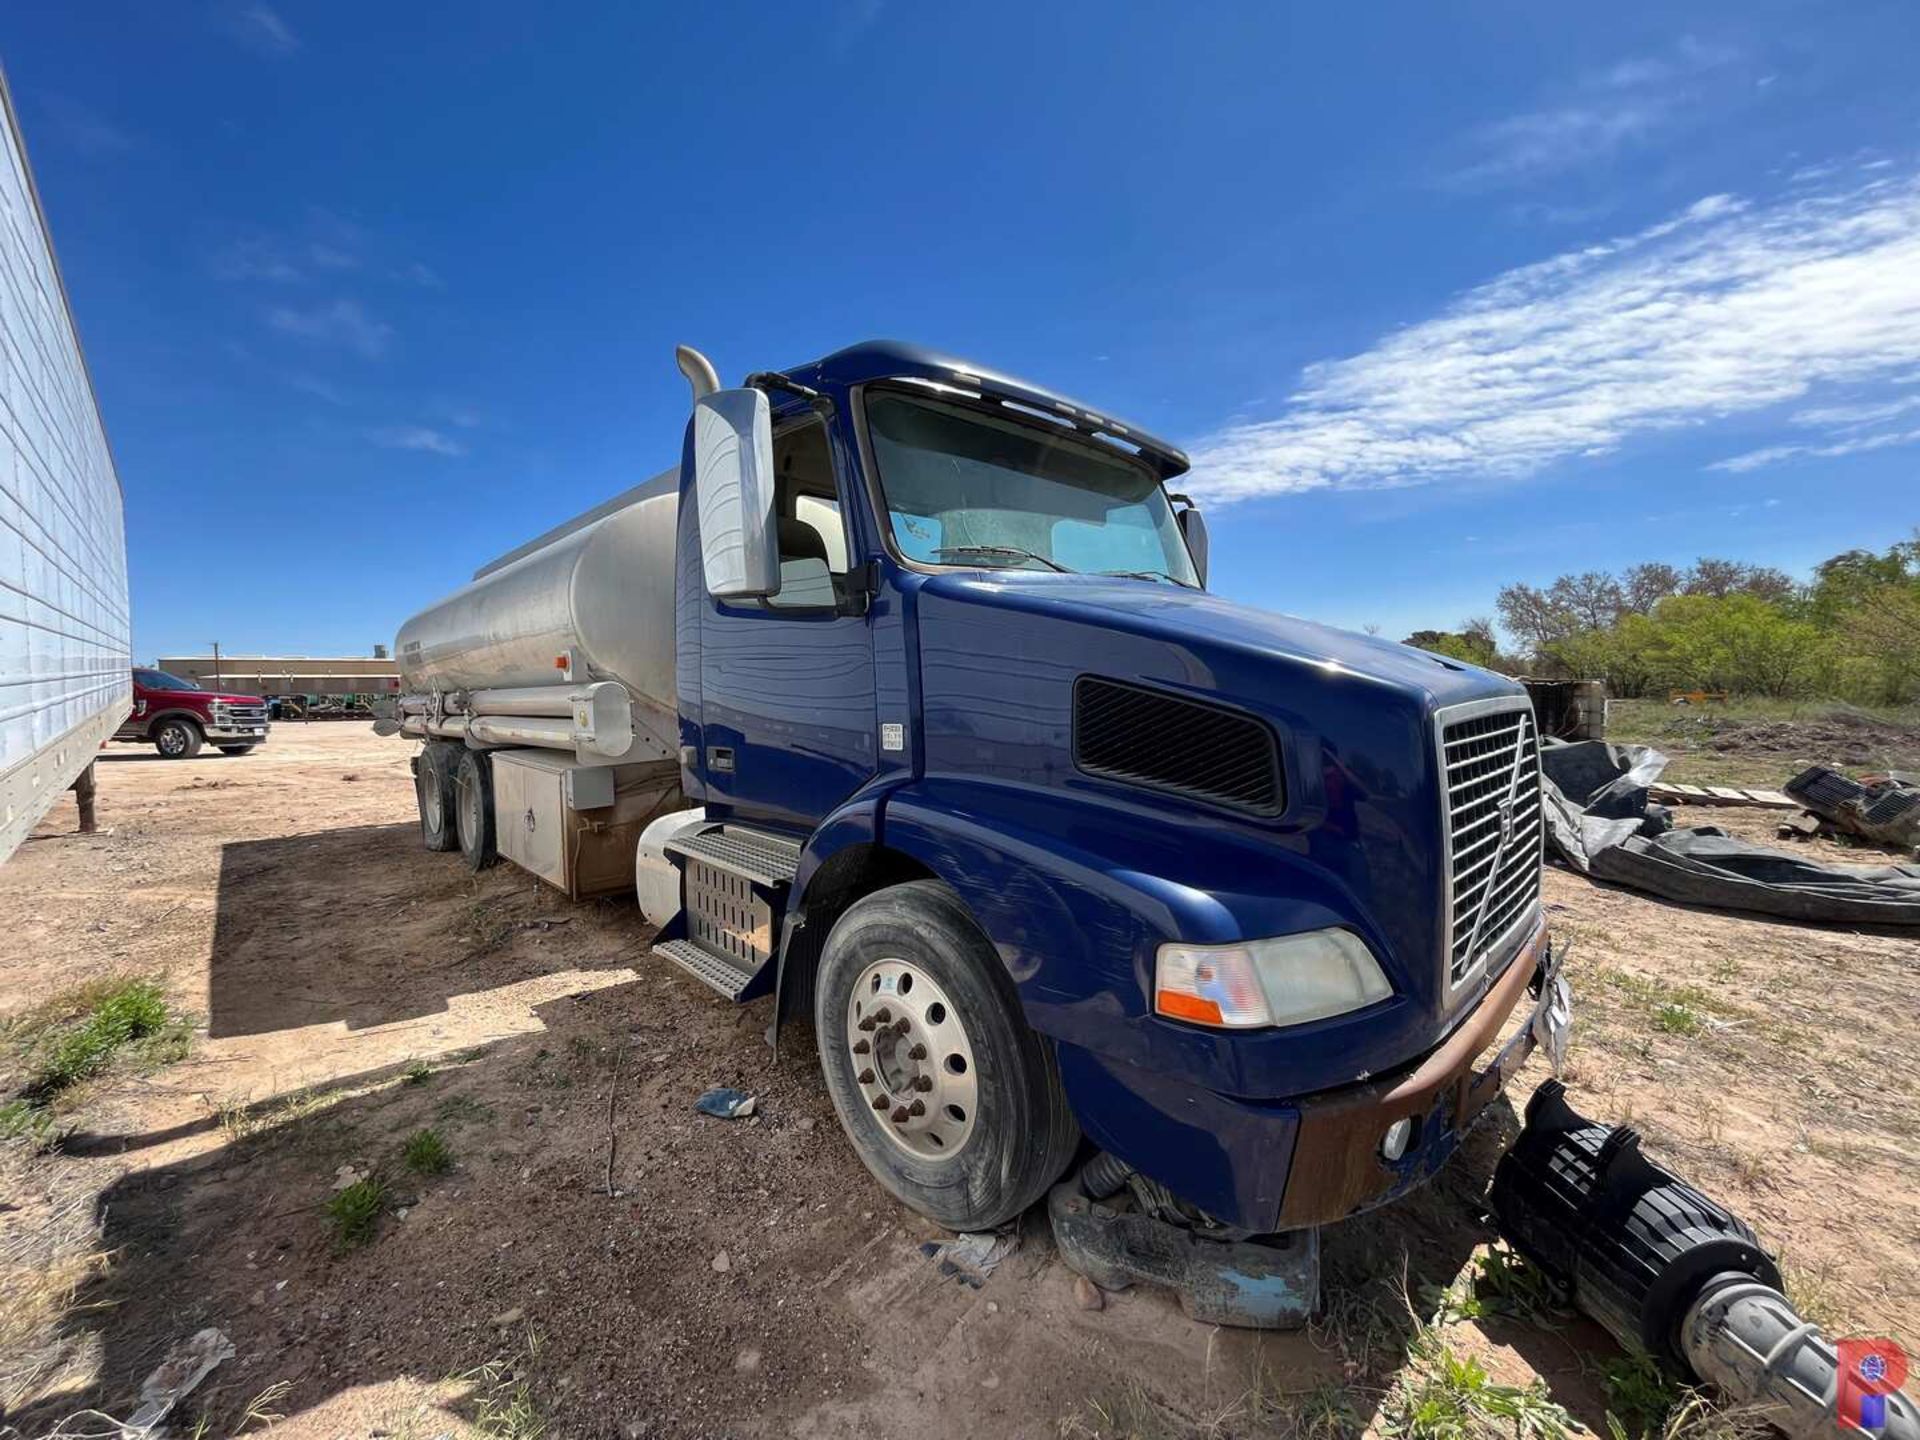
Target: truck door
788 711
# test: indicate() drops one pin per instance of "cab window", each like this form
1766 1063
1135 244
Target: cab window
813 540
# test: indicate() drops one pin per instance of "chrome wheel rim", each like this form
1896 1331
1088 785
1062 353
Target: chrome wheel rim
433 802
912 1060
173 741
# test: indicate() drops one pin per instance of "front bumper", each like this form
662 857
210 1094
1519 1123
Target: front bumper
237 733
1267 1167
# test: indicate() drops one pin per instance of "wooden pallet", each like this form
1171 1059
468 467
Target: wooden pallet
1667 793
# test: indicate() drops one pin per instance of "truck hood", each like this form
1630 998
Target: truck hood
1194 617
1357 841
208 697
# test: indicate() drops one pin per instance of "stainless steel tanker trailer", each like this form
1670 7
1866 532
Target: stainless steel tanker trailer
553 672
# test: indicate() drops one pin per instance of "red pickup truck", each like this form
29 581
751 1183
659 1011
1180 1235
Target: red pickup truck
177 717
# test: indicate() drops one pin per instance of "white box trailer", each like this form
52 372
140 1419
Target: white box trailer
65 640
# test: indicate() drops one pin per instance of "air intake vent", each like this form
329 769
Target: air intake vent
1148 737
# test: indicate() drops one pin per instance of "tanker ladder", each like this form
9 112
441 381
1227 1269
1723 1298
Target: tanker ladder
734 883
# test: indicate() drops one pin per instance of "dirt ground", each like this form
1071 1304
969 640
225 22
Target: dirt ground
746 1277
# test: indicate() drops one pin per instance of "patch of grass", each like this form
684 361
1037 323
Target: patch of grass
20 1120
1499 1283
504 1408
1676 1019
127 1013
1640 1396
1448 1396
418 1072
354 1213
426 1153
1129 1413
1321 1412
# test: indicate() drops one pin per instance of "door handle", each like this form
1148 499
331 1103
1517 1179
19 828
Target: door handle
720 759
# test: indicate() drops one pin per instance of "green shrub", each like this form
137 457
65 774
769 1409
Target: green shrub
355 1211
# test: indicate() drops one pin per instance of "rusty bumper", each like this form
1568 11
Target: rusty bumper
1338 1169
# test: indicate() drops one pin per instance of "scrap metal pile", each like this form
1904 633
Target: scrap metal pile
1601 823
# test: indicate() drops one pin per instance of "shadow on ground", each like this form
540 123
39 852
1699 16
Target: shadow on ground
351 925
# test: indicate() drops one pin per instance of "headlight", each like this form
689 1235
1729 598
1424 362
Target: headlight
1285 981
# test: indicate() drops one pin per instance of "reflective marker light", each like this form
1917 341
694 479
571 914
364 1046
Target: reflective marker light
1394 1143
1284 981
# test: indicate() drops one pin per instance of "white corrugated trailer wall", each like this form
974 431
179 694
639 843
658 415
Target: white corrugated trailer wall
64 624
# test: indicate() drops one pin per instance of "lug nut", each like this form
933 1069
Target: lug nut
900 1115
883 1015
866 1078
862 1047
869 1023
880 1102
919 1107
902 1025
922 1083
918 1052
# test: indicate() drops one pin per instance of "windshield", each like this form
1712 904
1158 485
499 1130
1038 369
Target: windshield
967 488
161 680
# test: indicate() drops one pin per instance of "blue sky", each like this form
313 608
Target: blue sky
1437 296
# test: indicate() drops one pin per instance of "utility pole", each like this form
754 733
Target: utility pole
217 680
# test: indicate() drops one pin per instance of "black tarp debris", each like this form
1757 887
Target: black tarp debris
1599 822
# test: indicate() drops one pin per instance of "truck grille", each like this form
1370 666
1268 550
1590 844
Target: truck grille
240 714
1490 764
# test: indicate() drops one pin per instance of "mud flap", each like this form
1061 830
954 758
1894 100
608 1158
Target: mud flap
1218 1282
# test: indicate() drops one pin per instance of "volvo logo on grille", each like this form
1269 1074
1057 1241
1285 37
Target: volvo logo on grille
1506 823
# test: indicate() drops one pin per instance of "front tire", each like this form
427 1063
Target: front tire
473 809
177 739
236 749
950 1098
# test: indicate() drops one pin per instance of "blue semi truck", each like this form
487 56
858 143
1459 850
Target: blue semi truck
901 700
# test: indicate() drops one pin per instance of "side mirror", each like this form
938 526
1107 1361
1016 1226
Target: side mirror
1193 529
733 485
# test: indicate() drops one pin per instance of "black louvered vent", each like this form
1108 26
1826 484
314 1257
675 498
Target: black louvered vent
1148 737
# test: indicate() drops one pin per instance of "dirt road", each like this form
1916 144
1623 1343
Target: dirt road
746 1277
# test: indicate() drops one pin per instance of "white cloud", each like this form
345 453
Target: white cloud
1548 141
1846 417
1774 454
1603 114
260 28
256 257
417 437
1726 308
343 322
320 389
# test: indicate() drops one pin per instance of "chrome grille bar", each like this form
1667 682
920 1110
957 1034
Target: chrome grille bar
1489 763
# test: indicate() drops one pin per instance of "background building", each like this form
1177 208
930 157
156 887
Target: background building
316 677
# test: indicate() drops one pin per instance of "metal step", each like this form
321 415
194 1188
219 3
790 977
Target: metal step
716 971
752 854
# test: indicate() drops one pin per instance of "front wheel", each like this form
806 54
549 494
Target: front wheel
949 1097
177 739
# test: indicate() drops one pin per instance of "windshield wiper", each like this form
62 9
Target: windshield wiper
1013 550
1149 575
